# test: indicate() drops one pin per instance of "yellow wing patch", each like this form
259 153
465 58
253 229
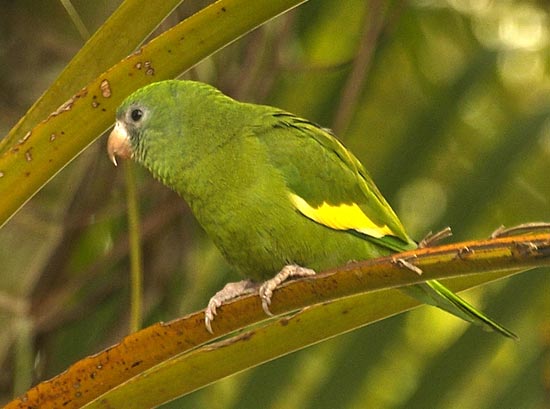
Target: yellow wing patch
341 217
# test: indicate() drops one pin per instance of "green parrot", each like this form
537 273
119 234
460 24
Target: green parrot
280 196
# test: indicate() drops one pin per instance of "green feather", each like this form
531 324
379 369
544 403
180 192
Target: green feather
353 185
434 293
238 166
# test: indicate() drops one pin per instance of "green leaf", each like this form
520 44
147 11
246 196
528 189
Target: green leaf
93 58
163 362
31 160
188 372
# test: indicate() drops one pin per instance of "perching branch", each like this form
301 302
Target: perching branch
135 372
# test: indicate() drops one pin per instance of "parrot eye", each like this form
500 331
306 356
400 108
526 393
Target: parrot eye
136 115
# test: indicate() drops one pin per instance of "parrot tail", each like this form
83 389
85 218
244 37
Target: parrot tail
434 293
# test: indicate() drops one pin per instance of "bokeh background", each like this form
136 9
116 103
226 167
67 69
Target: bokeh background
447 103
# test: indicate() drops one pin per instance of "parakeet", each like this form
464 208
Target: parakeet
279 195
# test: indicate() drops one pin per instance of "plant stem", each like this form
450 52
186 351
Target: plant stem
136 271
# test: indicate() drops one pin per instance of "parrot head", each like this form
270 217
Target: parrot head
167 122
137 119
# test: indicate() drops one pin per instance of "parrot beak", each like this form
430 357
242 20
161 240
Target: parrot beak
118 144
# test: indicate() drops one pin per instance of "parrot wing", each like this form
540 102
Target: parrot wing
330 186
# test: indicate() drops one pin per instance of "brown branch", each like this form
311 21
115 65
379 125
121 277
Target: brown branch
102 372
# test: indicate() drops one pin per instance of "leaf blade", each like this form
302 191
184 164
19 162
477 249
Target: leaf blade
37 157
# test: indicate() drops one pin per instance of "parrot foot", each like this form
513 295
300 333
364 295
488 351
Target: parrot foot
290 271
228 292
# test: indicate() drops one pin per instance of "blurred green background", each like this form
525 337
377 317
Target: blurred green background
447 103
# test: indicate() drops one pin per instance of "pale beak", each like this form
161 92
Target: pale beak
118 143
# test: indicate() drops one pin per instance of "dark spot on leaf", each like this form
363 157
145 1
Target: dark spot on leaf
137 363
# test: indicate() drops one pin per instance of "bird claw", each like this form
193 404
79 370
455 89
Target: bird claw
289 271
210 312
227 293
236 289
